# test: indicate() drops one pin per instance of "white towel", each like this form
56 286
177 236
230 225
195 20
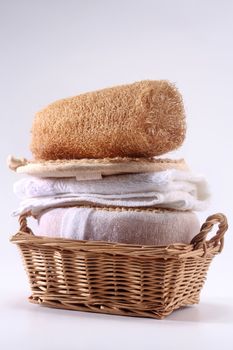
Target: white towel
172 188
122 226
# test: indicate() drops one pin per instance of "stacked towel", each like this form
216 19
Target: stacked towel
150 203
144 227
172 189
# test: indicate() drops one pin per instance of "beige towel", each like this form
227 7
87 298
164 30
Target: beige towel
144 227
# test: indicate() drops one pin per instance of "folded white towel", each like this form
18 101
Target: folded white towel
122 226
172 188
162 181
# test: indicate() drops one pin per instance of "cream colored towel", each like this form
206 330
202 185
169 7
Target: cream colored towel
142 227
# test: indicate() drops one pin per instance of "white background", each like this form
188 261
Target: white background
54 49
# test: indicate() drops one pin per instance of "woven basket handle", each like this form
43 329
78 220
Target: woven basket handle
23 227
200 239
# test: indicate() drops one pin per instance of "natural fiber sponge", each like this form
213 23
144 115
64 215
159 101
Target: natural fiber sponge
143 119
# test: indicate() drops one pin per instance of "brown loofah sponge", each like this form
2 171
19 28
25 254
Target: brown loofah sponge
143 119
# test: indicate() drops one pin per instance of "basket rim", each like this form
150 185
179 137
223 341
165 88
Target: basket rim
198 247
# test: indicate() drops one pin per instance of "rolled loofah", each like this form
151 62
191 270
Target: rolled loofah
143 119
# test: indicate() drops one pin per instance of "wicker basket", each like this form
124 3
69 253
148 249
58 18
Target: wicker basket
131 280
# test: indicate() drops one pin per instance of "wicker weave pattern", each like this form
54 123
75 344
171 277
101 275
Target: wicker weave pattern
121 279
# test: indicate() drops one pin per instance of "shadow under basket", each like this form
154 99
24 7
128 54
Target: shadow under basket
121 279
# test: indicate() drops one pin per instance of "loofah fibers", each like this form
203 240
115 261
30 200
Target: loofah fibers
83 168
143 119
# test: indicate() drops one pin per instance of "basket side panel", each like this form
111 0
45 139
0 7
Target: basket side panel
116 284
184 280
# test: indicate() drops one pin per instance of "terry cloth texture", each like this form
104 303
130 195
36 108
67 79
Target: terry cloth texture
122 226
84 169
143 119
172 188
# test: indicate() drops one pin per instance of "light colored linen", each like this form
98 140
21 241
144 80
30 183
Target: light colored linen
173 189
126 226
163 181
